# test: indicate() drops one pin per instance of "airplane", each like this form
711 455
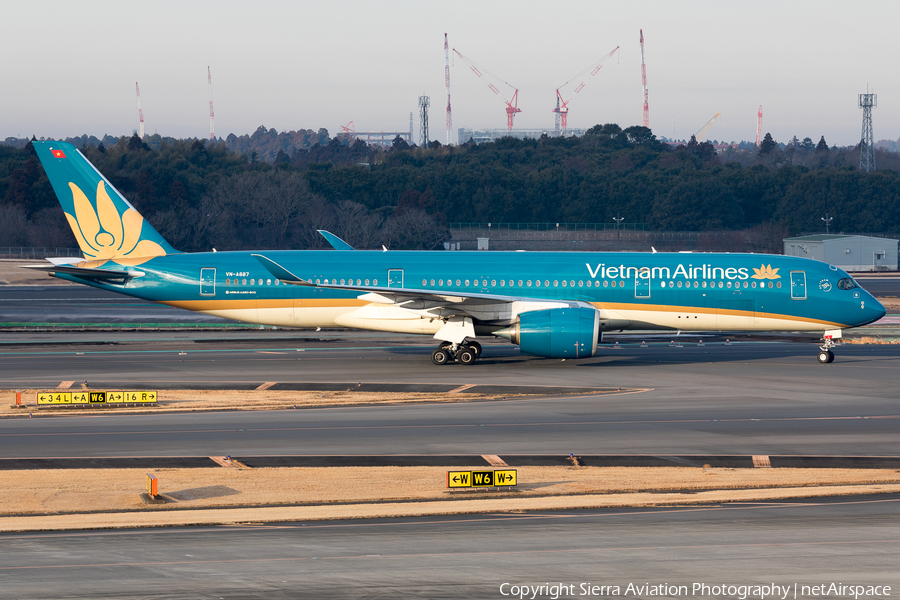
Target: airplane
551 304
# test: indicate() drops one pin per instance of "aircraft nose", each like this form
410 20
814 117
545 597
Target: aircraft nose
872 309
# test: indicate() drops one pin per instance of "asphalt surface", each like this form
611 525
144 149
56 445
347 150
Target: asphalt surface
851 540
747 398
741 399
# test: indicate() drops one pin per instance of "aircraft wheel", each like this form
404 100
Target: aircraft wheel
830 356
440 357
476 347
466 356
825 356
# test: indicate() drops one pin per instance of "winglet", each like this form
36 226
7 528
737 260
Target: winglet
280 272
336 242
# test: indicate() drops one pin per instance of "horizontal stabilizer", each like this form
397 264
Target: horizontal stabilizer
85 273
336 242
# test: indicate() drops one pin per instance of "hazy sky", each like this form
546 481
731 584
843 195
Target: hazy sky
69 68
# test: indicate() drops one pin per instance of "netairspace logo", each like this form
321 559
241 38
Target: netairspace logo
700 590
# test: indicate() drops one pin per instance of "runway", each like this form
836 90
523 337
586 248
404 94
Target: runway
472 556
766 397
745 399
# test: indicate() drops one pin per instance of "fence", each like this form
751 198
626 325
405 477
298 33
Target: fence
559 227
22 252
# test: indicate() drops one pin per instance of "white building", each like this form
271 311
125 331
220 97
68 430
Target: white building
849 252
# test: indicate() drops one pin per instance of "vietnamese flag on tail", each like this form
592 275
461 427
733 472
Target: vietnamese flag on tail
58 153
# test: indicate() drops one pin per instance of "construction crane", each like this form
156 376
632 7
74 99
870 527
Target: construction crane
212 118
562 106
511 104
140 110
348 128
702 133
644 81
447 83
758 125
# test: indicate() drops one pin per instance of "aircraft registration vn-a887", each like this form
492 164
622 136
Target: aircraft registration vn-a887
552 304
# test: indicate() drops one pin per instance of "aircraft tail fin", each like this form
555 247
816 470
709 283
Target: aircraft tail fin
105 224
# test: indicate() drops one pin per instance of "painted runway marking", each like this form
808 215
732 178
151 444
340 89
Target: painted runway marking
462 388
761 461
494 460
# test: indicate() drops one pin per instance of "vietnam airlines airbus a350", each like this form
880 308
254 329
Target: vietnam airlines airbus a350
552 304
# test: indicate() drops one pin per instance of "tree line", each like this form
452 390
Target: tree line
202 194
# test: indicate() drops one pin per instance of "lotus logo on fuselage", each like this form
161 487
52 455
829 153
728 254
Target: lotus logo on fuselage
765 272
103 234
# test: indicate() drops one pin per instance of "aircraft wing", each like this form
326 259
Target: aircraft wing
451 306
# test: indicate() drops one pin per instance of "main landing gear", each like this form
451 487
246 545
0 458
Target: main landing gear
464 353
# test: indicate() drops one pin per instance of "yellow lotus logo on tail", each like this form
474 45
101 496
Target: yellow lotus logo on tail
105 235
765 272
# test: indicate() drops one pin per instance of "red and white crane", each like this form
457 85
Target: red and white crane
644 81
562 106
758 125
140 110
447 83
511 104
212 117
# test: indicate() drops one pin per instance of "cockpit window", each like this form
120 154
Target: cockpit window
846 284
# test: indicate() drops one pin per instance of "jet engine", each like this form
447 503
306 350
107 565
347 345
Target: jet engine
555 332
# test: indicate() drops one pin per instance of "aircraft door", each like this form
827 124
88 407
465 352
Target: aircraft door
642 283
395 278
207 282
798 285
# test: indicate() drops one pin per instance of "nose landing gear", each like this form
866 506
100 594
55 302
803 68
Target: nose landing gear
825 354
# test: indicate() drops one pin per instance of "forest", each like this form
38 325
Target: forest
272 190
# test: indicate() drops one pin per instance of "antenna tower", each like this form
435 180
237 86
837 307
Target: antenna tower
447 83
867 143
140 110
758 125
212 118
644 81
424 103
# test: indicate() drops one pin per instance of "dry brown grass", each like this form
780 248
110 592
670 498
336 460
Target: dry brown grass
10 274
87 498
195 400
869 339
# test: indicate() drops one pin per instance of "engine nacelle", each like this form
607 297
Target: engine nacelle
556 332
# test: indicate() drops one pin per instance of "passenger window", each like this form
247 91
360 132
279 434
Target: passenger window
721 285
243 282
502 282
424 282
546 283
565 283
374 282
467 283
458 283
589 283
605 283
484 283
555 283
528 283
227 282
342 282
537 283
777 284
493 283
572 283
277 282
679 284
520 283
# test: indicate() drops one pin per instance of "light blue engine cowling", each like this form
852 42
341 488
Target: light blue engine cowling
556 332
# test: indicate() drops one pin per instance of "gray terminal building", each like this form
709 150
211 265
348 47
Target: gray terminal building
849 252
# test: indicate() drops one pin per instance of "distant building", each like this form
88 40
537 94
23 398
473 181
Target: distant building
489 135
849 252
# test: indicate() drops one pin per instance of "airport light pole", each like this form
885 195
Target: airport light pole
828 221
618 220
